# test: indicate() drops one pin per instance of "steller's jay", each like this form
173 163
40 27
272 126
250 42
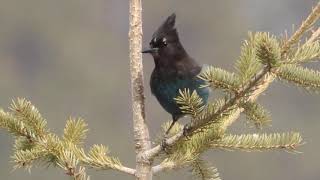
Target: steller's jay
174 69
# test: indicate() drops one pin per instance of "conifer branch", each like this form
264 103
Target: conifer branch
256 114
259 142
27 114
220 79
202 170
310 20
306 52
31 149
75 131
190 103
14 126
258 84
98 158
300 76
25 158
315 35
174 139
187 151
267 78
268 50
232 103
247 65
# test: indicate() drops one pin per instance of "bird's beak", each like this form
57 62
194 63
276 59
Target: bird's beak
152 50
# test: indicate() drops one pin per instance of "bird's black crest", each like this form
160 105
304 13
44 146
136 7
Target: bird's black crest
174 69
170 22
167 28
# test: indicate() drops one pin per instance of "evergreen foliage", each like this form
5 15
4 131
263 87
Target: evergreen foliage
300 76
256 114
219 78
35 144
190 103
247 64
304 53
259 142
202 170
268 49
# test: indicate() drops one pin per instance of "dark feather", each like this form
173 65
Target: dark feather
174 69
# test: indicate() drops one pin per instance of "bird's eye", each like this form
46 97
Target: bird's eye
158 42
164 41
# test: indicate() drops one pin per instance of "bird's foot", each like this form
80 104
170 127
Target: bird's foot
164 145
186 130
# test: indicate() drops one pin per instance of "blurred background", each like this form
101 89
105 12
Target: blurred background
70 58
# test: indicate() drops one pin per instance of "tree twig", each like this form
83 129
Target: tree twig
314 36
126 170
311 19
162 167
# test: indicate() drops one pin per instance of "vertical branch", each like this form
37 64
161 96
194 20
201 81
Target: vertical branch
141 133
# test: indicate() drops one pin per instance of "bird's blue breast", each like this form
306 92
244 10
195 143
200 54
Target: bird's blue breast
166 90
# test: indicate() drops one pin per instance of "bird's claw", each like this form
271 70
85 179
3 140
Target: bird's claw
164 145
186 130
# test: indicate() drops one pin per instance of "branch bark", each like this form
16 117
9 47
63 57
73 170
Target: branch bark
141 132
125 170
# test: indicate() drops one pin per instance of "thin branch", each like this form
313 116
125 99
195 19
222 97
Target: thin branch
141 132
115 167
158 168
162 167
125 170
260 83
311 19
314 36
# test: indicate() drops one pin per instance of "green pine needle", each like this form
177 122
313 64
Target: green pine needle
204 171
98 157
219 78
25 112
268 49
189 103
67 159
300 76
15 126
75 131
23 143
256 114
212 113
259 142
26 158
305 53
247 65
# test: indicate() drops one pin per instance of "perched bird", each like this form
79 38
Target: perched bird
174 69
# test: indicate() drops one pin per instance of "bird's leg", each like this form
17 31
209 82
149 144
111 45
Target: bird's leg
171 125
164 144
186 130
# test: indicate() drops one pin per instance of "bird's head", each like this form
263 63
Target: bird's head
165 41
